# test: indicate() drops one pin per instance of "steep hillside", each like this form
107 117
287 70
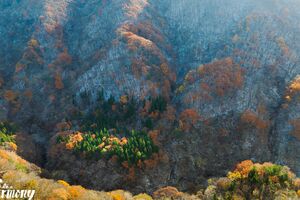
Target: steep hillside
247 180
206 84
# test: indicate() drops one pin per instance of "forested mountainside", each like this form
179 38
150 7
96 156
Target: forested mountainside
143 94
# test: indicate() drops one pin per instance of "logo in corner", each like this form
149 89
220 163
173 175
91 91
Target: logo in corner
8 192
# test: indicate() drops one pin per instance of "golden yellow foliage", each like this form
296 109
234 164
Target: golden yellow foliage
295 86
64 183
142 197
293 89
234 175
33 43
124 99
181 88
237 197
4 155
13 146
117 195
31 184
76 191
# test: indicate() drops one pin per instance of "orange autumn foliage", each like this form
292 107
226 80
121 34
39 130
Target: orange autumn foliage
221 77
13 147
166 89
4 155
114 159
261 109
154 136
10 95
169 114
138 68
28 94
295 86
293 89
131 174
58 82
296 128
205 87
283 46
64 58
125 164
155 159
76 191
117 195
73 140
32 54
165 68
188 118
167 192
244 167
152 162
137 41
154 115
252 118
147 30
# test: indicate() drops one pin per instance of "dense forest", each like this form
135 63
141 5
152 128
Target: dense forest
150 99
